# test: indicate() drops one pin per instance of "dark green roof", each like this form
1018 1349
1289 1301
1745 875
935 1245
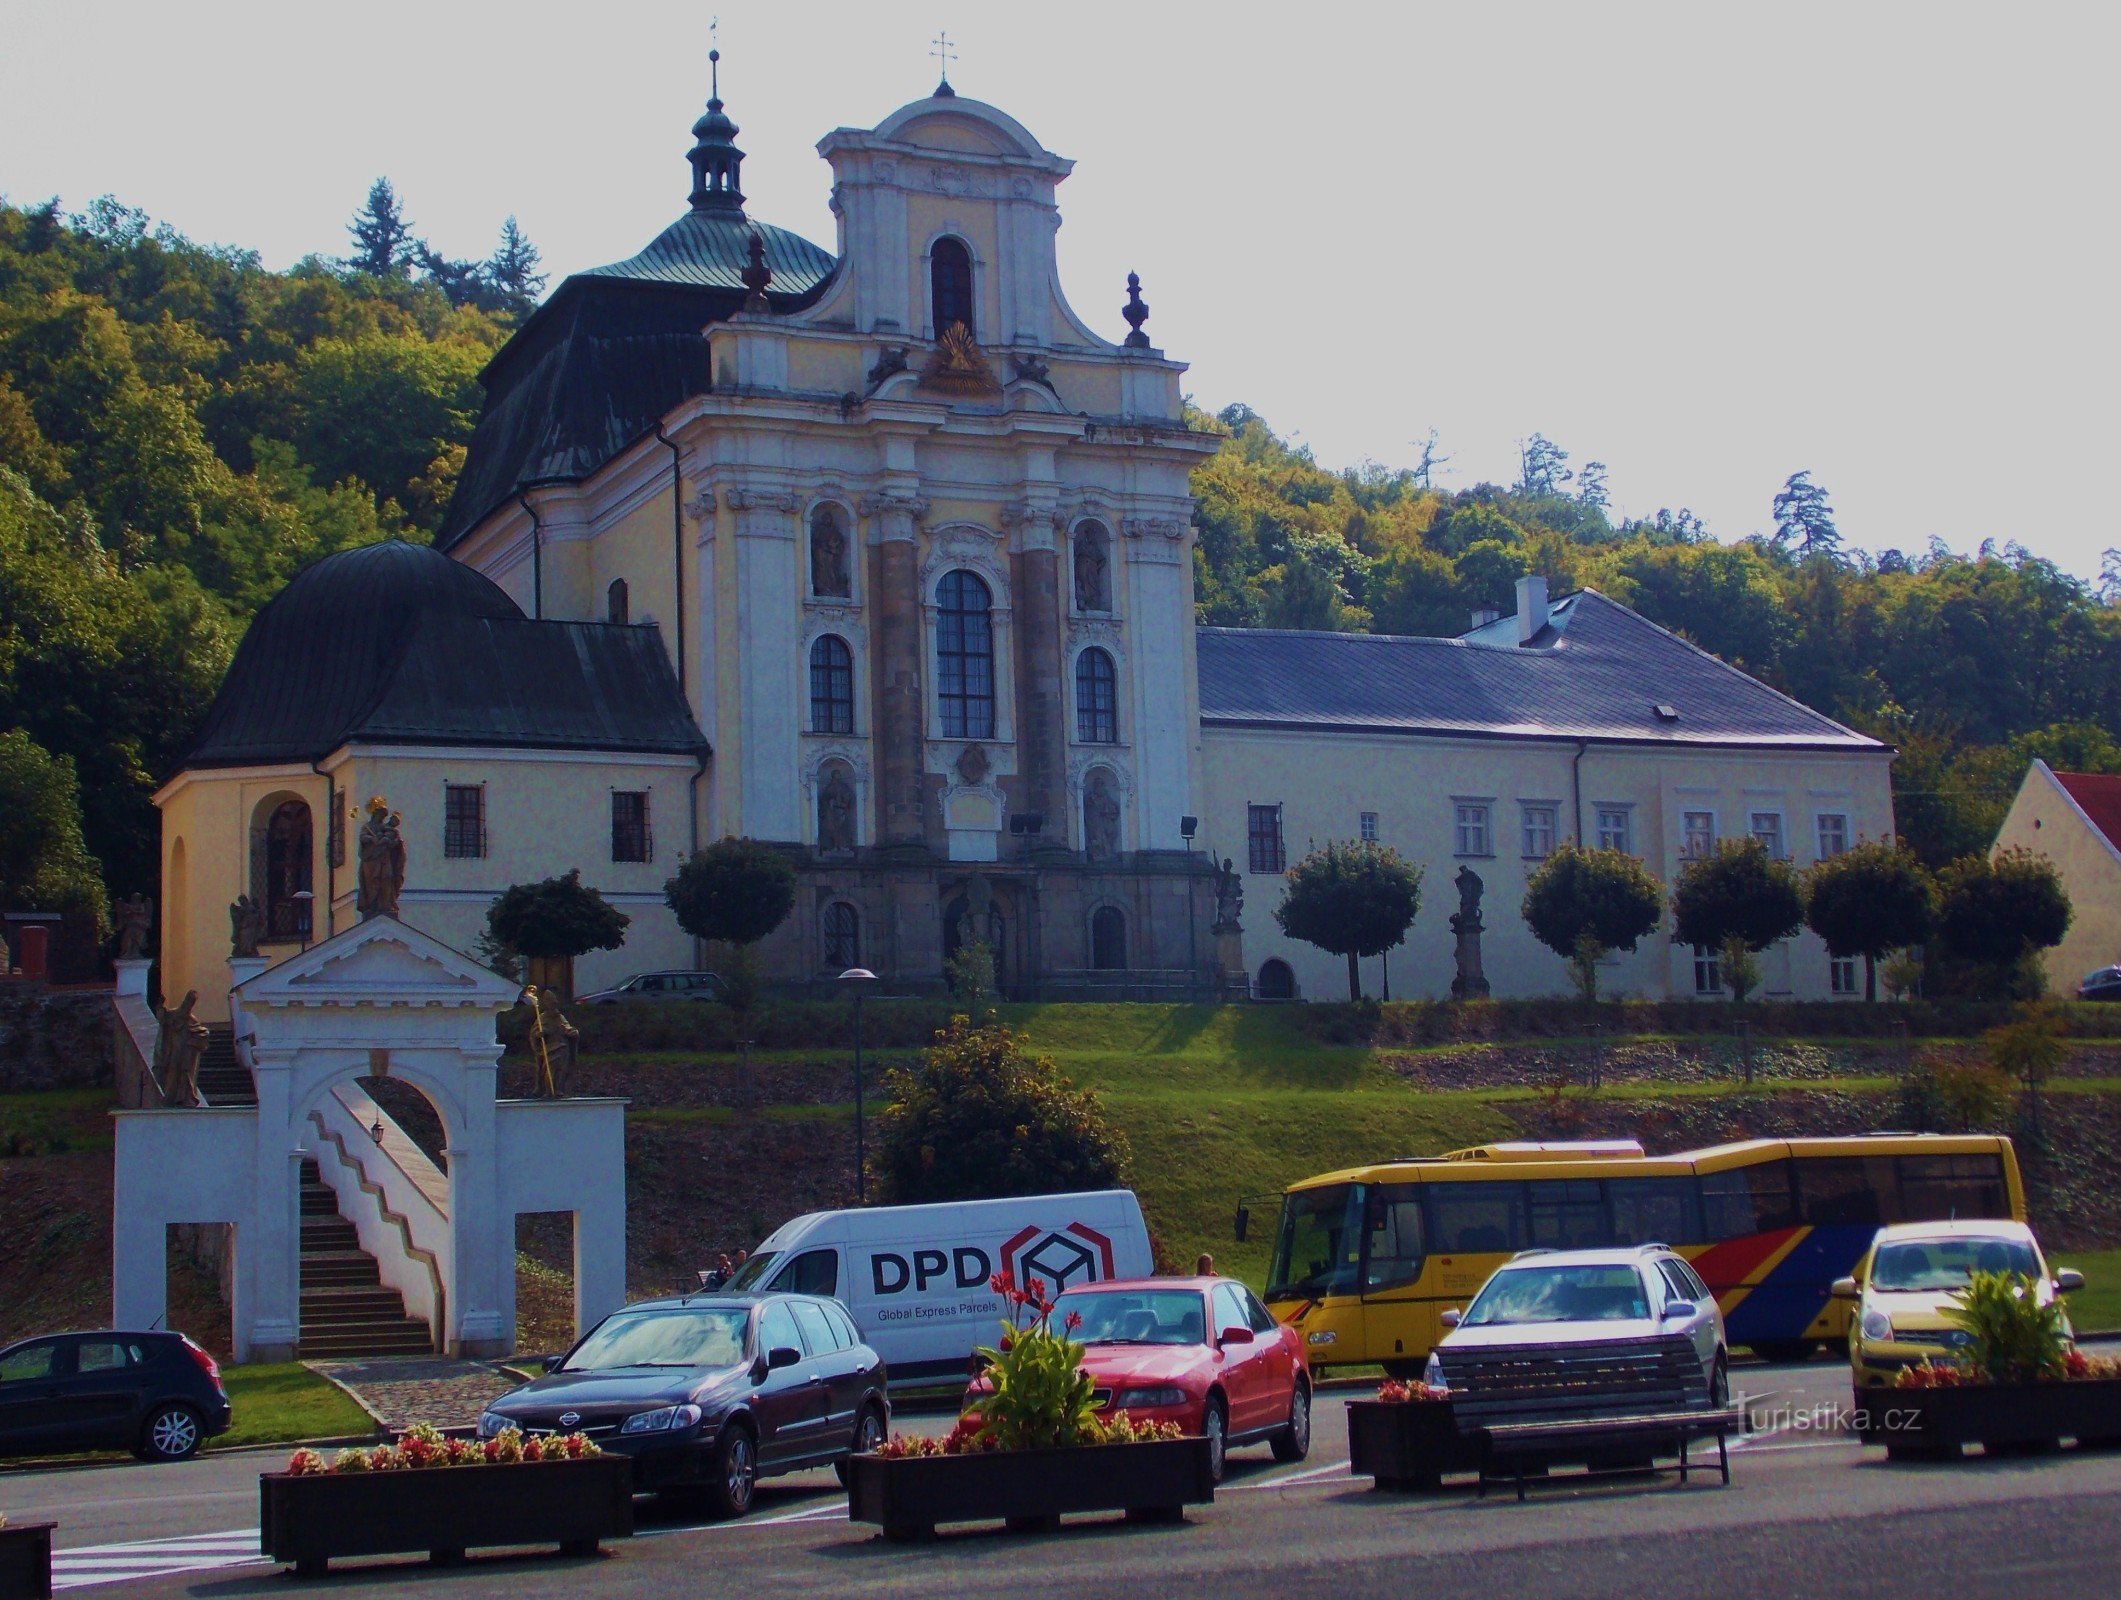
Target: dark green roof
708 250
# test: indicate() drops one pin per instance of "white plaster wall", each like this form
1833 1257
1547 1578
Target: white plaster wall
2045 820
569 1155
185 1165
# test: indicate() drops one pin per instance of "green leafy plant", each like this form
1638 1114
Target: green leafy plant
1737 891
1582 903
2026 1050
736 891
970 973
554 919
2017 1338
1037 1395
1870 899
1352 899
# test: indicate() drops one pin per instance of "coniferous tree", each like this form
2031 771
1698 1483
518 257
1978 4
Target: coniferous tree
1804 518
512 271
384 246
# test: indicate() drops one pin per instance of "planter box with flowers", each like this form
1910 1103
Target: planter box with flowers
445 1496
1032 1449
25 1560
2017 1383
1408 1438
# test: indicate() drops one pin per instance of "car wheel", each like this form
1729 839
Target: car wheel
1720 1382
734 1472
870 1431
172 1433
1293 1443
1215 1428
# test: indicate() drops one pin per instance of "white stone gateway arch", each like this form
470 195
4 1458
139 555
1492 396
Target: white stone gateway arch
380 1000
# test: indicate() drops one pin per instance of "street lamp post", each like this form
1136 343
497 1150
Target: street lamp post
858 978
1187 827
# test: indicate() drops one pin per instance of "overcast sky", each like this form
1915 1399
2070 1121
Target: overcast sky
1708 245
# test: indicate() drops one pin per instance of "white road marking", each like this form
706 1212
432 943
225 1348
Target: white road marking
1286 1478
86 1565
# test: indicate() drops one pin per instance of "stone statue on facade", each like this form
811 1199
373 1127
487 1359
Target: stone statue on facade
981 923
134 917
246 926
1229 899
1090 592
382 850
1100 818
835 812
828 558
180 1040
1471 983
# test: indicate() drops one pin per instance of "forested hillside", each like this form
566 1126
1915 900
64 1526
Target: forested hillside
181 429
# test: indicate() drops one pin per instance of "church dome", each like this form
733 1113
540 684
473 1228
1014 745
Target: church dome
708 250
323 651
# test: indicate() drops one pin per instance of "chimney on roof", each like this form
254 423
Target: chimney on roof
1531 608
1483 615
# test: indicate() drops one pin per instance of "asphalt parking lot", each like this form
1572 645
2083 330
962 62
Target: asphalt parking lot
1807 1508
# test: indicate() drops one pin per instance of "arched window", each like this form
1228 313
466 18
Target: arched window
842 930
831 685
1276 981
828 555
1096 698
617 607
287 850
964 657
1093 568
950 279
1108 939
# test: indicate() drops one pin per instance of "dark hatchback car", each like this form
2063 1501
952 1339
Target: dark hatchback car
2105 984
155 1394
712 1392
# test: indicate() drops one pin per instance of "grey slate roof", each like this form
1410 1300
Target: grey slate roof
395 643
1597 672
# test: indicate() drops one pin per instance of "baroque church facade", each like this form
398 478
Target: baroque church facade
884 554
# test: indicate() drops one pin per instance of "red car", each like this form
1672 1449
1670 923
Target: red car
1149 1348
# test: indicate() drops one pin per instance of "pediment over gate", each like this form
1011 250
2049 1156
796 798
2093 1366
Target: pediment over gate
379 962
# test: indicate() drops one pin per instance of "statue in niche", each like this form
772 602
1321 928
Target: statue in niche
981 923
246 926
1100 817
835 811
828 557
1471 983
1229 899
180 1040
382 849
1090 572
134 917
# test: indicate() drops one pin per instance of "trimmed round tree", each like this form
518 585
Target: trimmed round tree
1354 899
1737 900
735 891
982 1118
1994 911
1868 900
1581 903
555 919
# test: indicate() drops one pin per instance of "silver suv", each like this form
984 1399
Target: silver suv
1630 1321
658 986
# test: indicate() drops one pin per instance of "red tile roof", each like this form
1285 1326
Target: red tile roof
2100 796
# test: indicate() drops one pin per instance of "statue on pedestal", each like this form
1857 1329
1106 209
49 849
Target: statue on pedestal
1470 983
382 849
246 926
134 918
1229 899
180 1040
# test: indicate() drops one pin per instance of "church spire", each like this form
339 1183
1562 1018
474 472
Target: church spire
714 155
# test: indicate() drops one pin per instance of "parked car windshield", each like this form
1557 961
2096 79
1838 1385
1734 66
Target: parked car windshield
1905 1265
753 1272
711 1336
1560 1293
1136 1316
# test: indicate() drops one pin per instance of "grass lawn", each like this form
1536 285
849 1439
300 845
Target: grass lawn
285 1402
54 1122
2095 1308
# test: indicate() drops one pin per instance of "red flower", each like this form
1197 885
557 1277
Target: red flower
1002 1283
1073 1321
1008 1343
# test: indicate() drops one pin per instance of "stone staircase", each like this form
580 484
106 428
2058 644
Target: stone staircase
223 1079
346 1308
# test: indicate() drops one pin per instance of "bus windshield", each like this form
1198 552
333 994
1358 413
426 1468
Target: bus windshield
1320 1246
1907 1266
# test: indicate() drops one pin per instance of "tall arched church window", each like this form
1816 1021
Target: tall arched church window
617 606
287 852
1108 939
964 656
842 930
950 283
831 685
1096 698
1093 568
828 555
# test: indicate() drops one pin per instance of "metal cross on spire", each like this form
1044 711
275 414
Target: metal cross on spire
714 56
944 53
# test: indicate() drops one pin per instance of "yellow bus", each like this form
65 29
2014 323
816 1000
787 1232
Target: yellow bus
1366 1260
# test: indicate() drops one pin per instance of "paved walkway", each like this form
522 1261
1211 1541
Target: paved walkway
401 1390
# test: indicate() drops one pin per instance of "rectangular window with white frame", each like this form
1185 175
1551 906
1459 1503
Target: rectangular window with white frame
1616 829
1708 971
1538 831
1369 827
1697 835
1474 829
1841 975
1833 834
1767 828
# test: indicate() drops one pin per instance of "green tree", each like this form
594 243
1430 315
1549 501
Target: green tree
2026 1050
384 246
1997 911
1582 903
554 919
380 410
44 863
982 1118
513 271
736 891
1739 896
1870 899
1804 518
1354 899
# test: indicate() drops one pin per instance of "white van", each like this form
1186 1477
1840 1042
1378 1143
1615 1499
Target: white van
917 1278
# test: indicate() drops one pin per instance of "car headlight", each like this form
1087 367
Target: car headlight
1142 1399
1432 1373
1323 1336
492 1422
1877 1325
661 1420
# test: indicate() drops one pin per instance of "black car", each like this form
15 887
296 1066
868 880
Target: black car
155 1394
711 1392
2105 984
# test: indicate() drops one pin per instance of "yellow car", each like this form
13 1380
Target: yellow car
1905 1284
